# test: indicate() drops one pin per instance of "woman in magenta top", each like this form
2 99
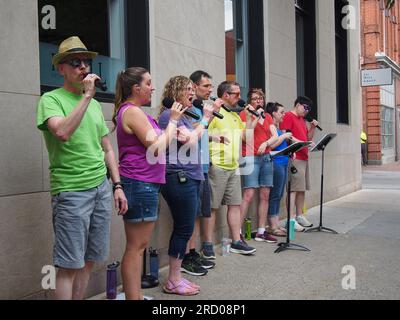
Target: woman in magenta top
141 146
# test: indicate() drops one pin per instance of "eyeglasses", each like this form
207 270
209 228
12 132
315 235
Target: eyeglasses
306 107
257 99
76 63
234 93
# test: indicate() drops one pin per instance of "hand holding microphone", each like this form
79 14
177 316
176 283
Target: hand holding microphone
200 105
242 104
222 106
177 111
168 103
92 80
313 122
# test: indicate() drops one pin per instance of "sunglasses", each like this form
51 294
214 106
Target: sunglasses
76 63
307 107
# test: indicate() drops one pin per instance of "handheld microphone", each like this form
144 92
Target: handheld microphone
242 104
262 112
310 119
223 106
168 103
101 85
199 105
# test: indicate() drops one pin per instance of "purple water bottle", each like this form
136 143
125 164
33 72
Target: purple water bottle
112 280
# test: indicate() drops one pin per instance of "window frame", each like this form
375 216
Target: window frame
387 124
137 44
342 64
307 61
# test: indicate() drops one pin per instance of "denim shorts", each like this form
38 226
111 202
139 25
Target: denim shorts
258 172
142 200
81 222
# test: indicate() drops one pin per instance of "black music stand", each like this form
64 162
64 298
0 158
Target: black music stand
320 146
289 151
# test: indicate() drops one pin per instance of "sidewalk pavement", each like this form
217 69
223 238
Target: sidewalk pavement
368 223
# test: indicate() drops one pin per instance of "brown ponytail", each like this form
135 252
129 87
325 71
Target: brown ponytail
123 88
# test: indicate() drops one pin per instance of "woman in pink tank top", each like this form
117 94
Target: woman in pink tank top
141 146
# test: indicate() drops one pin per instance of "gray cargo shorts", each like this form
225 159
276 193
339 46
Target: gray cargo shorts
81 222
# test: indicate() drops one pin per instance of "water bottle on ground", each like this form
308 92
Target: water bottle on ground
248 229
291 229
225 246
112 280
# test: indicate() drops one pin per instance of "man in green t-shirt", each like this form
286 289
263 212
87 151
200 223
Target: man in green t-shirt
79 151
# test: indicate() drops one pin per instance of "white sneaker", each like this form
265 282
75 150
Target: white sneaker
303 221
298 227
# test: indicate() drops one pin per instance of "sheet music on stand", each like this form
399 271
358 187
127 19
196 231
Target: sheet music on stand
294 147
323 142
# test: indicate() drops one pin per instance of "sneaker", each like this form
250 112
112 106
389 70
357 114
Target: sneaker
303 221
206 264
208 252
298 227
190 266
243 239
265 237
242 248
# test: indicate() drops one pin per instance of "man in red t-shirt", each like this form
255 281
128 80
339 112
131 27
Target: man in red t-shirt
294 122
257 172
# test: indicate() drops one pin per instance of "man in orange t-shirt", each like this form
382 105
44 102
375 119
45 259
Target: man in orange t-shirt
257 172
300 182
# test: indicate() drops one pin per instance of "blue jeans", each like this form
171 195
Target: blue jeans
183 202
276 193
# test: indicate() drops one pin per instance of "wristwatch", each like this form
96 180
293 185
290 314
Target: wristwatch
117 185
204 123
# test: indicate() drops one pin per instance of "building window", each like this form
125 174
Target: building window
236 38
244 37
306 51
256 44
342 81
387 119
102 26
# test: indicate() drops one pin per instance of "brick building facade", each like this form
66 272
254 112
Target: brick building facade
380 49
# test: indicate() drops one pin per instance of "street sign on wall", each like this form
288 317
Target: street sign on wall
376 77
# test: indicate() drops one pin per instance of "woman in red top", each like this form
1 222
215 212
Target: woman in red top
257 172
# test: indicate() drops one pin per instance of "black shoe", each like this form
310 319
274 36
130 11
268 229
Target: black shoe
242 248
191 266
206 264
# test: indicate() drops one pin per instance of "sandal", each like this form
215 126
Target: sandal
278 232
191 284
182 288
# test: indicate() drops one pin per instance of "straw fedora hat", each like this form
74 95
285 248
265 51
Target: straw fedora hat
72 45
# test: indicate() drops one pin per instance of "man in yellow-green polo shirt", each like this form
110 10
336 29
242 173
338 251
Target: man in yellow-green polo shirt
224 177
